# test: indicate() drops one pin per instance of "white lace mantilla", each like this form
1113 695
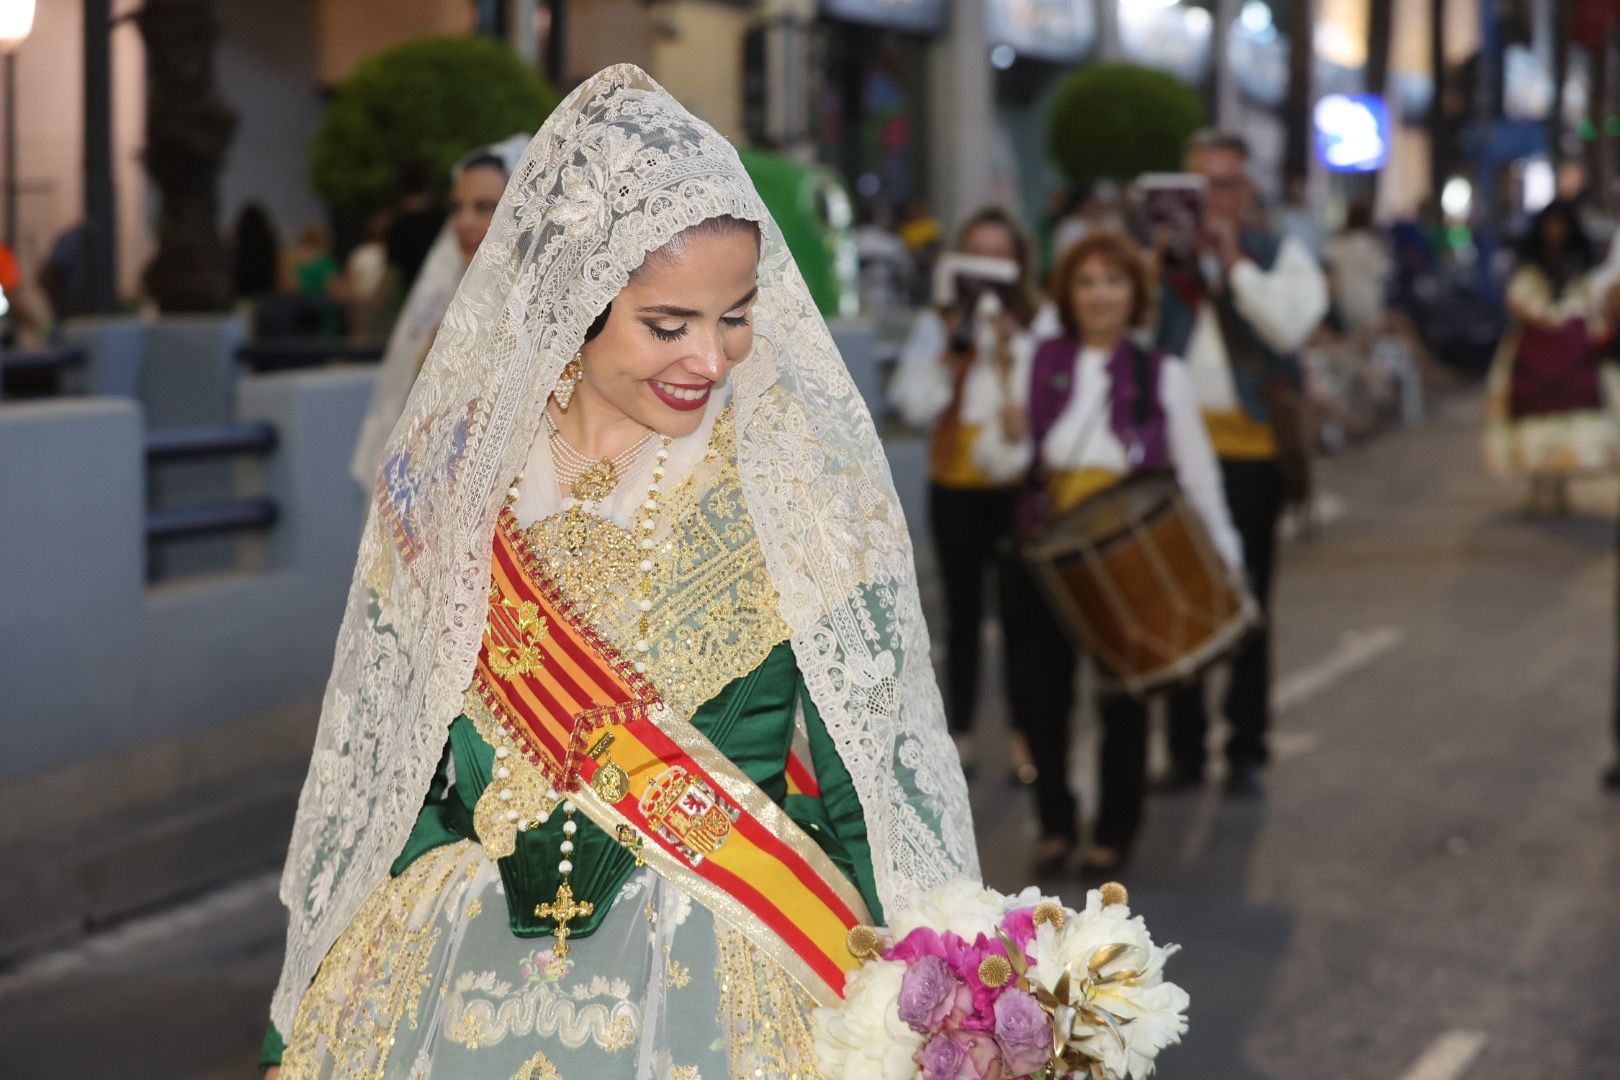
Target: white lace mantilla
617 170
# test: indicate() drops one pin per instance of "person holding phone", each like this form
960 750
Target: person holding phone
955 376
1098 407
1238 303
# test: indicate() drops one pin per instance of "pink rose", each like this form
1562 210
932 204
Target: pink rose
976 1010
930 994
961 1055
942 1058
1023 1032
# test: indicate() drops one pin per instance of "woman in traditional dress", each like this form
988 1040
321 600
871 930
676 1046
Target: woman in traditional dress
1550 403
636 552
956 381
1099 408
477 182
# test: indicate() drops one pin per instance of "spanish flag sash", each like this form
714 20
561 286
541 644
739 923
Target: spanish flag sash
599 732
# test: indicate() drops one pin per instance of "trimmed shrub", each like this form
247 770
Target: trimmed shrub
422 104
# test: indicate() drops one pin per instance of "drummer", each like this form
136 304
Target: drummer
1098 408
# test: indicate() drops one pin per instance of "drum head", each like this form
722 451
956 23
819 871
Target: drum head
1133 577
1115 511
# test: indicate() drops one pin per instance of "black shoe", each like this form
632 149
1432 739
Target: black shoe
1243 782
1179 782
1611 779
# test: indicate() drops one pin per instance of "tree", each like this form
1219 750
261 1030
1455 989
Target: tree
188 129
422 104
1118 121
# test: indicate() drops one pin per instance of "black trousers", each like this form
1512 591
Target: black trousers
1254 495
1121 771
1042 665
1616 701
972 533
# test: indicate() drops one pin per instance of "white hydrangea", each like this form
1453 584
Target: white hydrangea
864 1038
963 907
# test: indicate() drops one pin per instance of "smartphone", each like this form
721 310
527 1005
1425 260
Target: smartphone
1172 205
959 281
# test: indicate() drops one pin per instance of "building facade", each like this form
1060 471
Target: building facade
933 101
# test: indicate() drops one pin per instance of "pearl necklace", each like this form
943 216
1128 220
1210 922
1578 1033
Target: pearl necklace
588 479
564 908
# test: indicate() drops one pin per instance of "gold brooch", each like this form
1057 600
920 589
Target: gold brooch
610 782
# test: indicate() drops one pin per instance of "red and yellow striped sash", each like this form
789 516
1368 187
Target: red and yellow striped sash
599 731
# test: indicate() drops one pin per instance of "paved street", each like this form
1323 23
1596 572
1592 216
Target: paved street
1428 892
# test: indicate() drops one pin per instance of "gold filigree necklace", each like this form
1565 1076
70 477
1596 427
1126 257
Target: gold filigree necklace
589 479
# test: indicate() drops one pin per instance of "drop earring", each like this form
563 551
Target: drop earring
572 372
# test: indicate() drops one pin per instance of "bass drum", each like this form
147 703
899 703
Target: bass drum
1133 577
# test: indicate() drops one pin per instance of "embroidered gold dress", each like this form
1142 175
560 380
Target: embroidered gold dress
448 972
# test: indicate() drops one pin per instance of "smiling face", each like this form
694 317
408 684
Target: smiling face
674 334
472 205
1104 297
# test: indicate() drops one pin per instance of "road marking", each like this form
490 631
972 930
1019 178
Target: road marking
128 936
1292 744
1356 650
1448 1057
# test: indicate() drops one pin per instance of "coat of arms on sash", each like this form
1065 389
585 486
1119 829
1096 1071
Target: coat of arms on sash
688 813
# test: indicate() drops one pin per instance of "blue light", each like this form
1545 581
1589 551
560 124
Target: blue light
1352 132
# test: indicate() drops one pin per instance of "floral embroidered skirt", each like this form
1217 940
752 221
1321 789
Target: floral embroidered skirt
429 983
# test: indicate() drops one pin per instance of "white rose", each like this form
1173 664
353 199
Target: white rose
1155 1008
864 1038
962 906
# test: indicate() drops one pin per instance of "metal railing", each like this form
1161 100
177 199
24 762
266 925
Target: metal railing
283 354
210 440
39 372
62 358
250 513
254 513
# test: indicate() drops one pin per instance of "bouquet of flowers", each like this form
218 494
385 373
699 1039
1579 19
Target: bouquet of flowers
969 984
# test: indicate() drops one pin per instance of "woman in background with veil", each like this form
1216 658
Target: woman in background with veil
478 180
631 717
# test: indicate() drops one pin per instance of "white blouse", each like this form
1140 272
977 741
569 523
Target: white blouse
1083 438
1283 304
921 388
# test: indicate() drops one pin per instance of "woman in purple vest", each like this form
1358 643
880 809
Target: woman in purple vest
1099 407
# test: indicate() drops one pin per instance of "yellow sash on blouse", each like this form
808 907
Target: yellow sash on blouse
1237 436
1069 488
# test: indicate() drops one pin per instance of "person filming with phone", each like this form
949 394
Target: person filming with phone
956 374
1238 302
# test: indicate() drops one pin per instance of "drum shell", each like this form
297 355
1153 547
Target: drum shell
1136 582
